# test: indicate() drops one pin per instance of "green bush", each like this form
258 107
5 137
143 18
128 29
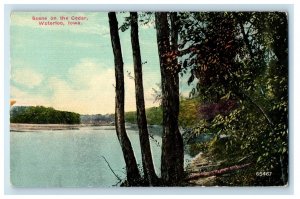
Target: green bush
153 114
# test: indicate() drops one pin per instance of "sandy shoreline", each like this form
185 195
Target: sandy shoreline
39 127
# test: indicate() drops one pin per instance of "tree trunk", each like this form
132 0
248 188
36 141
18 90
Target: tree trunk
217 172
148 168
172 144
174 48
133 175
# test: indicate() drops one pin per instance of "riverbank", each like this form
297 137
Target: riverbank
24 127
40 127
203 171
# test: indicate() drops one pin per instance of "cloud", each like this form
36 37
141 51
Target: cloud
94 90
92 93
25 99
88 89
84 73
26 77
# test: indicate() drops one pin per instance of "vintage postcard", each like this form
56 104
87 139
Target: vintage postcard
102 99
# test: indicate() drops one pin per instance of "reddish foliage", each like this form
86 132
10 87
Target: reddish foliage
223 107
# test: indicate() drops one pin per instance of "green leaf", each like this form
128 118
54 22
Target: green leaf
258 159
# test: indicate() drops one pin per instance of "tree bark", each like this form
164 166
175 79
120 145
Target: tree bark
133 175
172 144
148 168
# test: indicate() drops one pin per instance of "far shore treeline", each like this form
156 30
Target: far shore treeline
188 115
48 115
42 115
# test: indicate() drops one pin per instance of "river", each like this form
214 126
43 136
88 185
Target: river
72 158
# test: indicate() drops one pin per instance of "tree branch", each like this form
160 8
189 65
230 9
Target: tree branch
111 169
260 108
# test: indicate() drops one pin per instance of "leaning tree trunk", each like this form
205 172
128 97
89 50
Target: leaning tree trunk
172 145
148 168
133 175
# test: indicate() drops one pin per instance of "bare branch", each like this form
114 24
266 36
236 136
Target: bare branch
111 168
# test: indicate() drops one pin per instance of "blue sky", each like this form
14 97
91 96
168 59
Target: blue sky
72 67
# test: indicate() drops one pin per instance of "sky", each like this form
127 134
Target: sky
71 67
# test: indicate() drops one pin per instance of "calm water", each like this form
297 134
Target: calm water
72 158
